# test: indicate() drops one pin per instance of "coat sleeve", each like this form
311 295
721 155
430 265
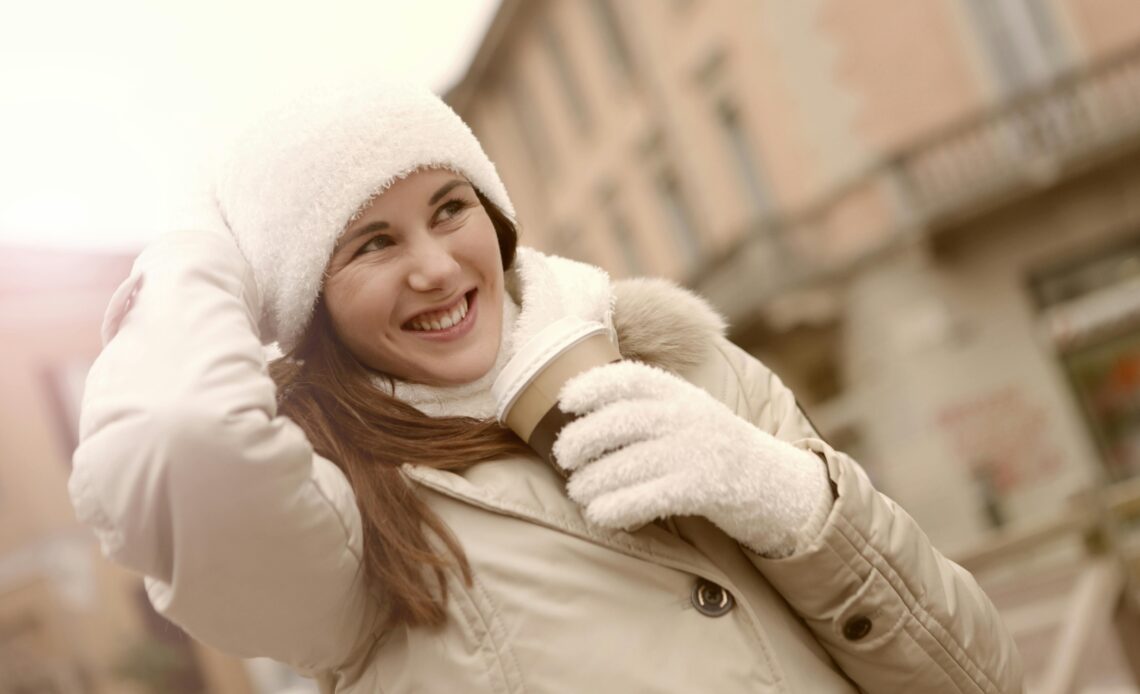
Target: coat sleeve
246 538
894 614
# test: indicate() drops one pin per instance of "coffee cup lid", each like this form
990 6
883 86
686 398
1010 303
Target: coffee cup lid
529 360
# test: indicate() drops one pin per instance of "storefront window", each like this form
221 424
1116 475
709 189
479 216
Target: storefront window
1091 311
1107 379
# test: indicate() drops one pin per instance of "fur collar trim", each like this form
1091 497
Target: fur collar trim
662 324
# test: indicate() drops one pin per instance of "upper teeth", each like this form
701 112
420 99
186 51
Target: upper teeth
441 320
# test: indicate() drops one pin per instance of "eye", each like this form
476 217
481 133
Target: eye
376 243
451 209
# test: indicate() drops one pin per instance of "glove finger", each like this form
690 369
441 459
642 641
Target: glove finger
636 464
623 380
613 427
633 507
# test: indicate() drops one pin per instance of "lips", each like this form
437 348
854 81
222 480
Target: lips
441 319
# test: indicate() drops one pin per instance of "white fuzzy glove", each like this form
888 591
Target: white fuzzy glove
650 445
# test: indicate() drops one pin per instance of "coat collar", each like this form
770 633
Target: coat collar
528 489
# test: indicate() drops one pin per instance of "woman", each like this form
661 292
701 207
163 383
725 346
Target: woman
354 510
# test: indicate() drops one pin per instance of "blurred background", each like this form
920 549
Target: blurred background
923 215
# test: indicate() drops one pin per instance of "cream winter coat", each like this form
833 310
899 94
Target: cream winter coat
251 542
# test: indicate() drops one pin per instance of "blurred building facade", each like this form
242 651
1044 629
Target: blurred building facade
925 216
70 621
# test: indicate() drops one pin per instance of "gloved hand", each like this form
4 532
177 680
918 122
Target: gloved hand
650 445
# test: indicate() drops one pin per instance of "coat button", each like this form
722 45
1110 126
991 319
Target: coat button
711 600
856 627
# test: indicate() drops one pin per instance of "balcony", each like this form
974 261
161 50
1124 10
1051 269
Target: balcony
1076 122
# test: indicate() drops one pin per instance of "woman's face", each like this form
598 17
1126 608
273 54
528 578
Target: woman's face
415 285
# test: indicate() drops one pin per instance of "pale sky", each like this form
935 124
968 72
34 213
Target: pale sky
108 108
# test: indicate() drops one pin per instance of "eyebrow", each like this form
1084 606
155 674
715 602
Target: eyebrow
381 225
445 189
357 233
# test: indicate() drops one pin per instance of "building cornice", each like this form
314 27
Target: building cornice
460 94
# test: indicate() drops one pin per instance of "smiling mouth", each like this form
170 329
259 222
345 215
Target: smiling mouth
444 319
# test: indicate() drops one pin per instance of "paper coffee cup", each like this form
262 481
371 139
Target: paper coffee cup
527 389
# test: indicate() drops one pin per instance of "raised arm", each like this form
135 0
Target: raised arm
247 539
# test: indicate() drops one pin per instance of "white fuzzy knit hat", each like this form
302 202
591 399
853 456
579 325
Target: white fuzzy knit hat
290 185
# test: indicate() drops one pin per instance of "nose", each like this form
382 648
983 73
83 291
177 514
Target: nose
433 266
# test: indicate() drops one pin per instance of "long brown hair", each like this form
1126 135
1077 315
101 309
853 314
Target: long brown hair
368 434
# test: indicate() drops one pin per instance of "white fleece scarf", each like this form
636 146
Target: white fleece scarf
540 289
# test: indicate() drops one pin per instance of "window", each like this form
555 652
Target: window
571 90
679 216
1021 40
1091 308
613 36
621 231
530 129
1105 268
742 157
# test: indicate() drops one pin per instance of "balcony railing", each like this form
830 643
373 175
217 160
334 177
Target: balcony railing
1074 122
1032 141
